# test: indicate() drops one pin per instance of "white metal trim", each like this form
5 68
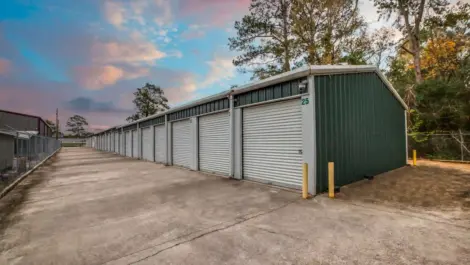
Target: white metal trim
210 113
272 101
187 118
231 137
311 89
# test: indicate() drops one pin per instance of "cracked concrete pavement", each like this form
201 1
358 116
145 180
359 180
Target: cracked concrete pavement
90 207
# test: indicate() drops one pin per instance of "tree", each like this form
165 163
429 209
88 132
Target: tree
149 100
409 17
264 37
329 31
383 43
446 50
76 125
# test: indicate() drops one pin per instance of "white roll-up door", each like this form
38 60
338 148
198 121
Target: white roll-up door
128 144
160 143
109 143
135 146
272 143
116 142
181 143
147 144
122 140
214 143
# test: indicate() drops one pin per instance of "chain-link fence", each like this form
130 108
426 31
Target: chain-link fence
20 151
441 146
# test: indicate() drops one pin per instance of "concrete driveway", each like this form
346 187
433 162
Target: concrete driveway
90 207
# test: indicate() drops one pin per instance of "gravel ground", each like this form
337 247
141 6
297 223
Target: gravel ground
438 188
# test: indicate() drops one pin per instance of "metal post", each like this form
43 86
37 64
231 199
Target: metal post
57 124
305 181
414 157
331 179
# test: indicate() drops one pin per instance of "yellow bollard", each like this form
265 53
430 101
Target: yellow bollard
414 157
331 179
305 181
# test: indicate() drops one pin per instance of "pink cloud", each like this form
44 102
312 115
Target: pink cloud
183 91
98 77
5 66
136 52
166 12
220 68
114 13
215 12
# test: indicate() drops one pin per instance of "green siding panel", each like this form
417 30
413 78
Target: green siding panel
286 89
218 105
359 125
130 127
154 121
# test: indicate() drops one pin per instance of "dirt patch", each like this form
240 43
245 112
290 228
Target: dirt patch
14 200
439 188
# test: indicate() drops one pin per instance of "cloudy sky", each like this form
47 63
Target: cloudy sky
87 57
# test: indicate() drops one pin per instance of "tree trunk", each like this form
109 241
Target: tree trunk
285 33
417 62
461 145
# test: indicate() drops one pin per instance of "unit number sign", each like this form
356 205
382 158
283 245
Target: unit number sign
305 101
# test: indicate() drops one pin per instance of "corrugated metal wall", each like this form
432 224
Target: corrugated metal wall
282 90
359 125
18 122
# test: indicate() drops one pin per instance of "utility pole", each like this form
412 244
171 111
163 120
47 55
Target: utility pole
57 131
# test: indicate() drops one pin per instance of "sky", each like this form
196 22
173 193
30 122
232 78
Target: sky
87 57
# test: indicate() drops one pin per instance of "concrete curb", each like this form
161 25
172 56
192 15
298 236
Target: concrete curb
6 190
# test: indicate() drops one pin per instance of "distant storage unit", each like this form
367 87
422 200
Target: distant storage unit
214 143
116 142
134 144
10 120
147 144
181 143
267 130
128 144
160 143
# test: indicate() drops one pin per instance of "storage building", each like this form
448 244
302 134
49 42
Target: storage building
265 131
23 122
